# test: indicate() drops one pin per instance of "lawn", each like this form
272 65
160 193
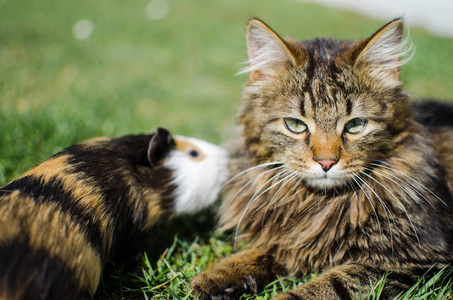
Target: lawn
132 66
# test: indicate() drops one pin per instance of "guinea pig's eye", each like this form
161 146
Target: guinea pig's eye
194 153
356 125
295 125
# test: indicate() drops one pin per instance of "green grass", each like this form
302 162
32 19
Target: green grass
134 74
437 287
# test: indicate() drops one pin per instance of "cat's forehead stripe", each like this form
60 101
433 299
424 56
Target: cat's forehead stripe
302 108
318 99
348 106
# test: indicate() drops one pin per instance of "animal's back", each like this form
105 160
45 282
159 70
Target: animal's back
437 117
57 219
45 253
94 201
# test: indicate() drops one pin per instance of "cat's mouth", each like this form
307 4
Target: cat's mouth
326 182
315 177
334 178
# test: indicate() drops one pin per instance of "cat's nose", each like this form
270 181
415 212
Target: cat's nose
326 164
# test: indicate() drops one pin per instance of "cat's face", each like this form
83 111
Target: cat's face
322 108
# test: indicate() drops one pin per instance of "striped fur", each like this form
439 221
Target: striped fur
62 220
337 171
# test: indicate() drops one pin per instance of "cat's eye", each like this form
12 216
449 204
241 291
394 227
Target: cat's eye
295 125
356 125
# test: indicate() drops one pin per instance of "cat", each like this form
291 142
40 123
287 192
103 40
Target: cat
337 171
90 203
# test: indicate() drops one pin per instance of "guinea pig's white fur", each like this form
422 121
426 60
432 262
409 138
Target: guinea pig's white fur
199 169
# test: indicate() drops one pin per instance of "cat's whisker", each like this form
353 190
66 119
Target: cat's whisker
293 191
399 203
294 195
381 172
289 177
239 191
255 197
387 211
270 179
381 235
251 169
386 165
351 185
335 191
250 182
369 200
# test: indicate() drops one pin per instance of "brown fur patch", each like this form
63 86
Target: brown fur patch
86 192
46 227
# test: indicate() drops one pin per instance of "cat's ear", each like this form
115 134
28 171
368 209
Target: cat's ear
160 144
267 52
385 52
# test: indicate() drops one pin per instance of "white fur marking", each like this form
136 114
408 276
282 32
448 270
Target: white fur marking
197 181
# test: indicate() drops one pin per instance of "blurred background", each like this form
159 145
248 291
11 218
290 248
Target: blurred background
71 70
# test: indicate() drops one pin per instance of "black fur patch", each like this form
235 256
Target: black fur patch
341 291
436 114
107 165
34 274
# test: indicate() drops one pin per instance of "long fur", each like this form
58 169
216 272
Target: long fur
384 204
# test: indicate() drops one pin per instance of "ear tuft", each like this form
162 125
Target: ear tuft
160 144
267 52
386 51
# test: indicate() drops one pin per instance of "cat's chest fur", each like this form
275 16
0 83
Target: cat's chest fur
372 220
322 231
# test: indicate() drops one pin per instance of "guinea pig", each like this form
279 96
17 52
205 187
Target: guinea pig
62 220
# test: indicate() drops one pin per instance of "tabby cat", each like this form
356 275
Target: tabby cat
337 171
62 220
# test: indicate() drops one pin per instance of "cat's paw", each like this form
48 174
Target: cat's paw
289 296
309 294
222 285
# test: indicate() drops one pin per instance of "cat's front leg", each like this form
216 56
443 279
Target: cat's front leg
351 280
244 272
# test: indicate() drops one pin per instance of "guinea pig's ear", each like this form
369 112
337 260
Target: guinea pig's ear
159 145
